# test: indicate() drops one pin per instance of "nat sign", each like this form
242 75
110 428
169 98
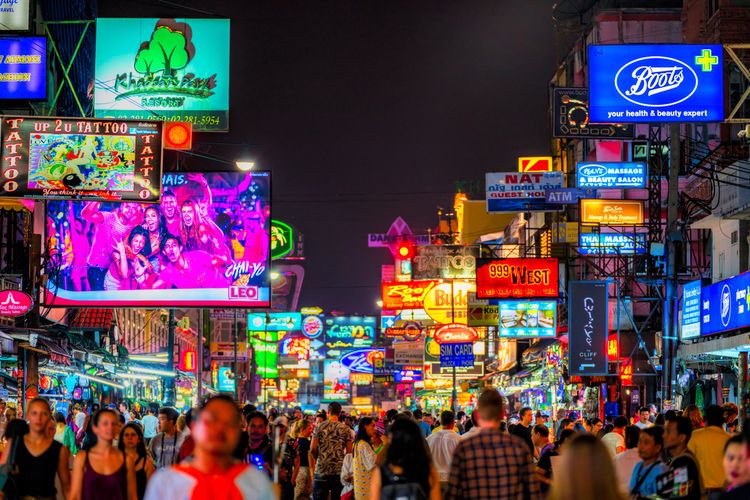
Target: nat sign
517 192
516 278
656 83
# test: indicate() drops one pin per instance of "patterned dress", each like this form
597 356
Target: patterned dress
364 463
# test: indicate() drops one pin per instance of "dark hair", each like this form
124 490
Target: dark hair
59 417
407 414
418 414
334 409
190 417
660 420
632 434
736 439
542 430
524 410
218 397
140 448
714 415
16 428
408 450
460 415
257 414
122 418
167 192
146 251
166 237
38 400
669 414
98 415
565 435
361 431
172 414
248 409
644 408
657 433
684 426
621 422
390 415
123 402
447 418
593 421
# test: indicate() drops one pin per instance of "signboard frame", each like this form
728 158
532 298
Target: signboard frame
609 175
501 286
588 313
608 209
570 112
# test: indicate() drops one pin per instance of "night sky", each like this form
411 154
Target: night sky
367 110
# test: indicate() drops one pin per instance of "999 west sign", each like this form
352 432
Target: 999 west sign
656 83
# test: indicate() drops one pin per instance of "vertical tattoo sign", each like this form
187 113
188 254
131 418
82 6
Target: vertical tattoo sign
588 328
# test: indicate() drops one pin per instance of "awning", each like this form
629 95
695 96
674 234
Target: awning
57 352
536 352
92 319
17 205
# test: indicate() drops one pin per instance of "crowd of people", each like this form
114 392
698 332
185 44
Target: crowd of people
220 450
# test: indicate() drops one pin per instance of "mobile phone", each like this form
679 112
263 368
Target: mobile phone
257 460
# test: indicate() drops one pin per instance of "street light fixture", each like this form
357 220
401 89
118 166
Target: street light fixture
245 165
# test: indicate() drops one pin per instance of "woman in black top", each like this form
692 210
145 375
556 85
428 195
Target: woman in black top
133 444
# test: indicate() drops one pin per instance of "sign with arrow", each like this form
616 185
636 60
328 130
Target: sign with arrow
588 328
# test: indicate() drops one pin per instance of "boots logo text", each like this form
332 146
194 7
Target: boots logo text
656 81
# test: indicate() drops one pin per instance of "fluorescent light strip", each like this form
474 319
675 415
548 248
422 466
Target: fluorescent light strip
100 380
148 359
137 376
151 371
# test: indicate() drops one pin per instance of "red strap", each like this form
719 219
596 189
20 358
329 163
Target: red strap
214 486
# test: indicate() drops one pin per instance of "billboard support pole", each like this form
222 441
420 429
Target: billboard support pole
169 382
199 371
234 344
454 400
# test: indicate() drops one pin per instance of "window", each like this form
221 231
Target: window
735 237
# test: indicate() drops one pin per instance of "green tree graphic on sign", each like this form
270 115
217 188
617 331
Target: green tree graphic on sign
169 49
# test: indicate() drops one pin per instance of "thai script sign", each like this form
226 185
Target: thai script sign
691 310
520 191
612 243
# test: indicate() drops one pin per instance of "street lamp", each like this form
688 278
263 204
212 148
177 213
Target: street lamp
245 165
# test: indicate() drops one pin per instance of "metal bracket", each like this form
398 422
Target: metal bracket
730 49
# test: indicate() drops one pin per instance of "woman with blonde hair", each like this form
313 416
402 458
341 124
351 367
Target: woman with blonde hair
585 453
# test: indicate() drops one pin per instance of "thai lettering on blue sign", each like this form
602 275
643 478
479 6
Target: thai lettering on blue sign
567 196
520 191
724 305
612 244
457 355
611 175
656 83
691 310
23 68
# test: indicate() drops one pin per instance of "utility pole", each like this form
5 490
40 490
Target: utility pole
234 365
169 382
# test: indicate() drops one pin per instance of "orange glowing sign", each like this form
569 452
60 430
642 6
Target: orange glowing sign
535 164
517 278
626 373
454 333
188 361
612 212
613 348
406 295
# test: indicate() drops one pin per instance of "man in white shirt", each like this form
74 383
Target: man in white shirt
626 461
442 444
615 441
643 415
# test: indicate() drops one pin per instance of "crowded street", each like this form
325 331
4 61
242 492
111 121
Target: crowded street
423 250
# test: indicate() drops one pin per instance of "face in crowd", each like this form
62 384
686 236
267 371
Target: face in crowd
217 428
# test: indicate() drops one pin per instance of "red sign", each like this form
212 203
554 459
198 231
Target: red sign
613 348
14 303
410 331
407 294
626 373
455 332
516 278
188 361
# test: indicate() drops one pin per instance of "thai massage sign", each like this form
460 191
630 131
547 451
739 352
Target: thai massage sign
175 70
79 158
516 278
612 212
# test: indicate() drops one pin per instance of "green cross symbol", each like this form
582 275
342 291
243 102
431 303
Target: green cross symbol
706 60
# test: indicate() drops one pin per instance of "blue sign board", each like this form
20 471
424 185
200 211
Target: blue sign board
407 376
691 310
460 354
612 244
528 318
567 196
274 321
656 83
350 331
611 175
520 191
225 379
724 305
23 68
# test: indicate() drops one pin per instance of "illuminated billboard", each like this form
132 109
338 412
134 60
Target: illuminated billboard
690 306
612 212
343 332
612 244
205 245
656 83
516 278
444 261
265 352
78 158
406 295
23 67
724 305
615 175
336 383
163 69
16 15
535 164
570 117
528 319
520 191
275 321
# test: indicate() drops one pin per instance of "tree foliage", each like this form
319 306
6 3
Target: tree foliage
168 50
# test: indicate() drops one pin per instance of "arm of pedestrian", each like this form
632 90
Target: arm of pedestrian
375 484
149 467
76 484
313 454
435 493
63 472
132 486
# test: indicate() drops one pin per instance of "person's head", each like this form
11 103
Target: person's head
282 424
104 424
139 243
585 453
461 417
167 419
650 443
407 449
526 415
217 427
168 203
730 412
334 410
540 435
321 416
123 406
257 427
131 439
736 462
418 414
632 435
644 414
16 428
181 423
305 428
621 422
38 415
567 424
10 413
366 430
714 415
694 414
490 407
660 420
677 432
152 219
539 418
297 413
391 415
59 418
128 211
447 419
171 248
565 436
188 212
190 418
595 425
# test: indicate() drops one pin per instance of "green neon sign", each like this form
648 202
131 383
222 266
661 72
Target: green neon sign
282 239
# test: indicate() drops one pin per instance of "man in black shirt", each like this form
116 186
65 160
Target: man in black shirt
683 480
523 429
260 449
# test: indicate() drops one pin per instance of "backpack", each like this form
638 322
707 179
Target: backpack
395 487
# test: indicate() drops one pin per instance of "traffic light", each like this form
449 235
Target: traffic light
178 135
405 250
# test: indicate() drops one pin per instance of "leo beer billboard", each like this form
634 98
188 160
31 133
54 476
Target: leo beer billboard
588 327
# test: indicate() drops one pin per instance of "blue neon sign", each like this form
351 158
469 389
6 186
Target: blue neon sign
725 306
614 175
656 83
691 310
611 244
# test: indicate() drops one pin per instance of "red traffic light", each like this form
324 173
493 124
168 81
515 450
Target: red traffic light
178 135
405 251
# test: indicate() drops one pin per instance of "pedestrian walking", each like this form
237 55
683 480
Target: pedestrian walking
186 450
737 467
302 477
259 450
133 444
367 448
331 440
407 472
646 472
626 461
64 434
442 445
102 467
644 415
540 439
615 441
150 425
707 445
585 453
544 470
213 473
423 426
694 414
492 464
165 446
523 428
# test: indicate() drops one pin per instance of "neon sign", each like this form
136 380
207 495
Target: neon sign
517 278
406 295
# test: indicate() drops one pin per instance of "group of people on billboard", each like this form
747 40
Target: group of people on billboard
209 231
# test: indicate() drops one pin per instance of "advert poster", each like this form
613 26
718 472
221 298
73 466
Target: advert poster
23 66
611 175
528 318
612 212
444 261
163 69
205 245
79 158
570 117
588 328
399 295
724 305
690 307
344 332
521 191
336 383
517 278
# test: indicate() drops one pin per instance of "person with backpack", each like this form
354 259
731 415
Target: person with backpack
408 472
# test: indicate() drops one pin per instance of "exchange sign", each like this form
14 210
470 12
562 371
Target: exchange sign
23 67
175 70
406 295
79 158
691 310
520 191
275 321
612 244
528 319
611 175
516 278
656 83
725 305
570 115
612 212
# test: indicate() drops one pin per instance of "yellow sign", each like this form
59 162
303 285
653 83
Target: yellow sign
612 212
439 306
535 164
311 311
